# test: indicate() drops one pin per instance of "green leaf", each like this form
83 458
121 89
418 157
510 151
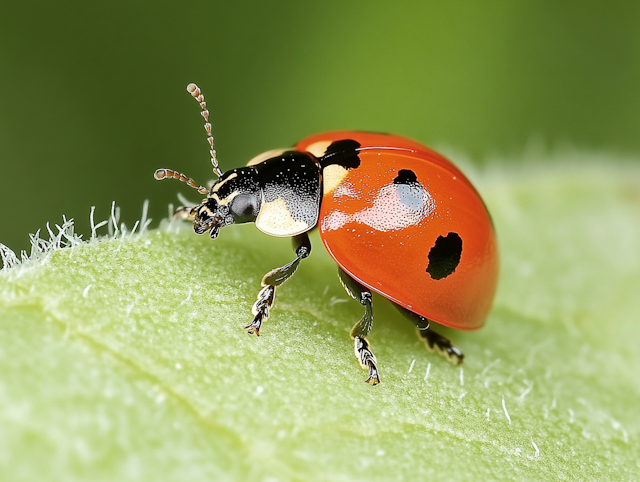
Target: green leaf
126 359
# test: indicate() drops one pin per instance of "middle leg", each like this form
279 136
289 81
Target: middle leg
361 330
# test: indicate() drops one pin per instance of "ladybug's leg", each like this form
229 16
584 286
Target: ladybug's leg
433 341
186 212
274 278
361 330
183 213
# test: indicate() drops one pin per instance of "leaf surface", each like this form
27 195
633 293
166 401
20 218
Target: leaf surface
126 359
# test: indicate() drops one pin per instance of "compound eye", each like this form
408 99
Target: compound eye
244 208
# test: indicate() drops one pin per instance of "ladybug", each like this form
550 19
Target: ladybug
398 218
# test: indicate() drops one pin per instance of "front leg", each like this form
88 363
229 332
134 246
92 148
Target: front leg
273 279
184 213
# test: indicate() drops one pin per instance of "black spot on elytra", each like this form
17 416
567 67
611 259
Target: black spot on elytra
405 176
444 256
343 152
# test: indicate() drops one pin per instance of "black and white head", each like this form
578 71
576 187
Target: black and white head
233 198
279 190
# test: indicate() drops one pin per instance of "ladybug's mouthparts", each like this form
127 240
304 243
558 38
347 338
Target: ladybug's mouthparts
212 224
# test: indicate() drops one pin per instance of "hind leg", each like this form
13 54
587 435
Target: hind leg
433 341
361 330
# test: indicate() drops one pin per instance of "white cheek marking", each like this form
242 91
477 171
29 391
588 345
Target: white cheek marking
227 200
267 155
276 220
332 176
220 184
319 148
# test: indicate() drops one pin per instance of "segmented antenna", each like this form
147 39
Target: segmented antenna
197 94
161 174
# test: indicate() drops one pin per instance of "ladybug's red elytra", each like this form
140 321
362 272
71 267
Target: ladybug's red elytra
397 217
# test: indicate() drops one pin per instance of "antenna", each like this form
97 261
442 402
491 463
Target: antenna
197 94
161 174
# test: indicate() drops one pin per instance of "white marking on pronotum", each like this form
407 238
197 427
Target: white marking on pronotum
504 407
462 377
276 219
221 183
426 375
413 362
273 153
572 416
537 454
488 414
85 292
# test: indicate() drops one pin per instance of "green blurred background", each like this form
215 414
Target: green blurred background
93 100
